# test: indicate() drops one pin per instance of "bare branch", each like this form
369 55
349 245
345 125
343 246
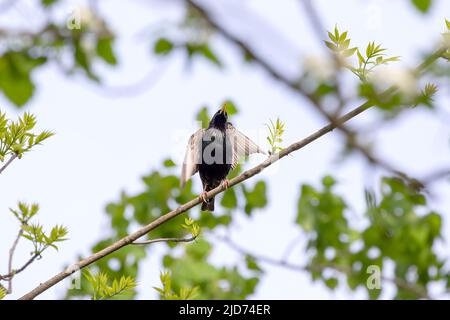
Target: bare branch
11 159
11 256
190 239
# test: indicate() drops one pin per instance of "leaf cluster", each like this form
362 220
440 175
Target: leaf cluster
104 288
16 137
166 292
374 55
275 137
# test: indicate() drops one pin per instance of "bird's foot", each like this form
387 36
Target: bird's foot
225 183
203 196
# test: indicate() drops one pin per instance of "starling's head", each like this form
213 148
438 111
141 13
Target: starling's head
220 118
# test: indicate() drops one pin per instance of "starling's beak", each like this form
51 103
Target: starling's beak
224 108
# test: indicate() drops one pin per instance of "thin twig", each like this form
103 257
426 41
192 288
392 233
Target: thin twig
22 268
11 159
11 256
164 240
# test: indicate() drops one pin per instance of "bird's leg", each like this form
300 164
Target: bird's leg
203 195
225 183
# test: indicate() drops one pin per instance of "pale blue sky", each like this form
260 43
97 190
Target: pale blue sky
104 144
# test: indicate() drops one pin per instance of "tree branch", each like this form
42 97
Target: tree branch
164 240
411 287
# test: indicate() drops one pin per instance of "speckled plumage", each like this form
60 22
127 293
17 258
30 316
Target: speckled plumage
213 152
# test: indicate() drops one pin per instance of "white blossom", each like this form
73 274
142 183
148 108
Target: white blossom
401 78
320 67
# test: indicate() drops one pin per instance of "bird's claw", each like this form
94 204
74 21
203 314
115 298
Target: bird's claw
203 196
225 183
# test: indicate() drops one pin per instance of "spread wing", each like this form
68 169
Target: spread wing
192 157
242 145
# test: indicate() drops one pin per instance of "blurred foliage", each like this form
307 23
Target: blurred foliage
374 54
192 37
400 231
3 292
276 131
73 45
446 36
422 5
34 231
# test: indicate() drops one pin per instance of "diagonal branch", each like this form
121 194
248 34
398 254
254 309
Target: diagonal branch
190 239
11 256
11 159
185 207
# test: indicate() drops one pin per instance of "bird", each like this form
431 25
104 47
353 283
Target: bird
213 152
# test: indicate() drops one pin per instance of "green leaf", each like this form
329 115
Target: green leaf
47 3
203 117
331 283
328 182
168 163
360 57
255 198
210 55
330 45
105 50
447 23
252 264
332 37
15 75
83 60
163 46
231 107
349 52
422 5
229 199
18 89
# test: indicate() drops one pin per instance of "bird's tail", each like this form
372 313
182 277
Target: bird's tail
208 205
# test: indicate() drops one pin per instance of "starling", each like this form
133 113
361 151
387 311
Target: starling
213 152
